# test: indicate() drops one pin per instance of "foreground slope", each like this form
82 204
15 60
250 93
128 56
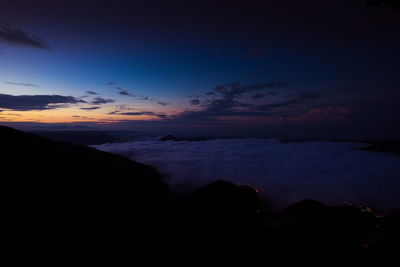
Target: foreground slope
63 204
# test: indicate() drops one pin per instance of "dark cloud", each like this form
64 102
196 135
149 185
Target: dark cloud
126 110
237 89
230 101
91 108
125 93
91 93
19 37
36 102
194 102
258 96
283 84
210 93
299 99
22 84
120 108
395 3
272 93
110 83
100 101
122 91
140 113
162 103
81 117
218 88
141 97
123 107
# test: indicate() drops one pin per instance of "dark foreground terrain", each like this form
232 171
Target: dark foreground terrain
68 205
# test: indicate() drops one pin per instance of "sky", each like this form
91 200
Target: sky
292 69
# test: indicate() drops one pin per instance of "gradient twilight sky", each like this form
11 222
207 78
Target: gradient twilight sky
287 68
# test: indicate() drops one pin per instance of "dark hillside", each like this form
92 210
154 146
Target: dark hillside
63 204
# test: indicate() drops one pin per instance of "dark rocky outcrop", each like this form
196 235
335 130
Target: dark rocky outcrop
170 138
384 146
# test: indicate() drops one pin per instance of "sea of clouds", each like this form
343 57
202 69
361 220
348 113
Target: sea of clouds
283 173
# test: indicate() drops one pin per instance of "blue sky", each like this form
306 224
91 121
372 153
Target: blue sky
148 63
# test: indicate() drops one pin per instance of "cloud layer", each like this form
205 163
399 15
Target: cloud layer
334 173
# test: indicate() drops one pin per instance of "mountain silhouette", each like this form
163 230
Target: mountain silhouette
64 204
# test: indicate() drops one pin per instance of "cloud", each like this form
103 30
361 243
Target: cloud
228 100
91 93
395 4
139 113
162 103
140 97
299 99
272 93
22 84
194 102
100 101
91 108
120 108
237 89
125 93
283 173
19 37
36 102
110 83
81 117
128 111
258 96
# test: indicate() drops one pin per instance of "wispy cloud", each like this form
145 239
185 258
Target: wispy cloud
162 103
19 37
128 111
100 101
232 100
124 92
90 108
140 113
194 102
21 84
91 93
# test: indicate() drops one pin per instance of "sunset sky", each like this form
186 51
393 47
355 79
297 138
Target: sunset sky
321 69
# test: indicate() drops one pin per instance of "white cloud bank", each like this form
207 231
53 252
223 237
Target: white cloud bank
284 173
